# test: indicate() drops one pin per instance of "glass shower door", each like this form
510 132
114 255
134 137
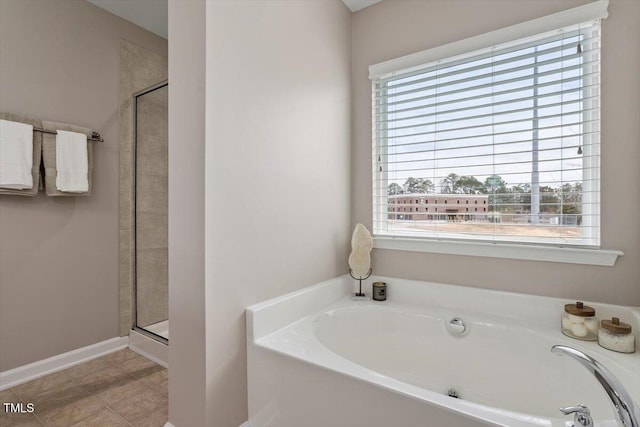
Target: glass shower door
151 311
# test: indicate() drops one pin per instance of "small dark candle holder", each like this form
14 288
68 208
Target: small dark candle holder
360 279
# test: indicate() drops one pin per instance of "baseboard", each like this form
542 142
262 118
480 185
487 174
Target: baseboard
149 348
244 424
22 374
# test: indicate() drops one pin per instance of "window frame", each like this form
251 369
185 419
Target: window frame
454 51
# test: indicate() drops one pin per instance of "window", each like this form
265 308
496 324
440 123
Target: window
515 123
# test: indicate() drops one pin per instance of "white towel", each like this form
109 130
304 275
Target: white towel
72 163
16 155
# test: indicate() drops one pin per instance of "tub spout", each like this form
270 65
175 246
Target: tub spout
624 407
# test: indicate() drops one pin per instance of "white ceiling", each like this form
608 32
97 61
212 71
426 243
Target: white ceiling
356 5
152 14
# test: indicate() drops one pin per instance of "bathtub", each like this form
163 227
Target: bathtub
316 358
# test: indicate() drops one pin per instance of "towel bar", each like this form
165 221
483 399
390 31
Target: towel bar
95 136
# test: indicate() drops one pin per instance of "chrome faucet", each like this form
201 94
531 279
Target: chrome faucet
582 417
625 409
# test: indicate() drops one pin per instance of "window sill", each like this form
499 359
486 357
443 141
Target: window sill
501 250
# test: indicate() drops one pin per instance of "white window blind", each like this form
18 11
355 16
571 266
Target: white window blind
500 144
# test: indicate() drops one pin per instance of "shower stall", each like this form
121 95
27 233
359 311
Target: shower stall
150 208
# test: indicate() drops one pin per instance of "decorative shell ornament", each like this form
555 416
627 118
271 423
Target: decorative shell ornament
360 257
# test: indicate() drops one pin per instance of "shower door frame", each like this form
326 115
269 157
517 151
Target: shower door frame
134 220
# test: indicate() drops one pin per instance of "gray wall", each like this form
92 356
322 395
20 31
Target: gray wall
59 256
277 169
187 376
395 28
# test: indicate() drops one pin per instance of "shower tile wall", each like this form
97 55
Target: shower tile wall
139 69
152 208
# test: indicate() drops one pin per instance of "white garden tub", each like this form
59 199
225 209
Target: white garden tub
316 358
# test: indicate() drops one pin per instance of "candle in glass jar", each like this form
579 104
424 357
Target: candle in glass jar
579 321
617 336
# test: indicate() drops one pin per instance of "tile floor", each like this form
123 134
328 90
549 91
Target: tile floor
119 389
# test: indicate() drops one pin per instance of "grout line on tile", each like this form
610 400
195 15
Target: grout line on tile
39 420
87 391
155 388
100 400
15 393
